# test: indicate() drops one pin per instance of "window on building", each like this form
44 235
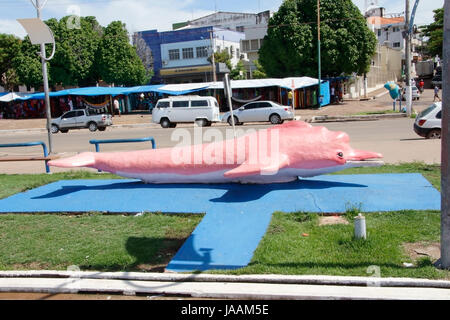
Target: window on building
231 51
261 43
254 44
238 53
379 32
396 45
396 29
240 29
245 45
202 52
188 53
174 54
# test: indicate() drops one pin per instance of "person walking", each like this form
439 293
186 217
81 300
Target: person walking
436 93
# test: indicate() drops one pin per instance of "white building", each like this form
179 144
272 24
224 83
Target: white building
226 20
253 25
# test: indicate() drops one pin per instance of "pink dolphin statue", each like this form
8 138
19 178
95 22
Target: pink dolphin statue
280 153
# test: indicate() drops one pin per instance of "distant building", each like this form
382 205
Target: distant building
181 56
253 25
226 20
389 30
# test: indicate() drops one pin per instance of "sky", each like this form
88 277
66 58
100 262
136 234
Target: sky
141 15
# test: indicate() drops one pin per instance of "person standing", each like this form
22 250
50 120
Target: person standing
116 106
436 93
290 95
70 104
421 85
333 95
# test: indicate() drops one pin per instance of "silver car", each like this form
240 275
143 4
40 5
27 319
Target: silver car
260 111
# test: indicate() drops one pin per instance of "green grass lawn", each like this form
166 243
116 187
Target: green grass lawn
116 243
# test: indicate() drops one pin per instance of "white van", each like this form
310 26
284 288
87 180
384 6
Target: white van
182 109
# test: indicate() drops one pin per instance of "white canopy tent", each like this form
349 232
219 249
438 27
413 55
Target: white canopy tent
14 96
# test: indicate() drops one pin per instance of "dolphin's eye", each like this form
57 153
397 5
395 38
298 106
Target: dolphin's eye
340 155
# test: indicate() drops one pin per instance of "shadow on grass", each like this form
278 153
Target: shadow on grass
151 254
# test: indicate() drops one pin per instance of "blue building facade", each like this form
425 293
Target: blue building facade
181 56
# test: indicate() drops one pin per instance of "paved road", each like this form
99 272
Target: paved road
394 138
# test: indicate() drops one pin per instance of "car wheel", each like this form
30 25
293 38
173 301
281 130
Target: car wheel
236 121
92 126
54 128
275 119
201 122
165 123
434 134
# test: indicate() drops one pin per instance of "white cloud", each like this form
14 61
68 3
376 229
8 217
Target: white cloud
139 15
10 26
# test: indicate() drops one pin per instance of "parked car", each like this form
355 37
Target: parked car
429 122
184 109
415 93
82 118
260 111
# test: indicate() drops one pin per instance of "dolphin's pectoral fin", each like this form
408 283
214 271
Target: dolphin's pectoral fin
247 169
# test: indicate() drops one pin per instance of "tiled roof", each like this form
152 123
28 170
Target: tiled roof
384 21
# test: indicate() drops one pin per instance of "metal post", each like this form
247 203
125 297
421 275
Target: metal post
46 91
445 165
228 93
408 62
318 51
213 58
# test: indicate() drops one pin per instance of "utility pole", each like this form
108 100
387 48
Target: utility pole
445 165
318 52
408 62
38 7
213 59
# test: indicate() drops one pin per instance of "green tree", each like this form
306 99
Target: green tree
117 61
290 46
239 72
74 60
27 64
259 73
9 46
435 33
223 56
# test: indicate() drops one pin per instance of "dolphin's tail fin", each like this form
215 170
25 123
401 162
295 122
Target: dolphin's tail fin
85 159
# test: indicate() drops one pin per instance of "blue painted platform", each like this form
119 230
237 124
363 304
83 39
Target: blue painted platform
237 216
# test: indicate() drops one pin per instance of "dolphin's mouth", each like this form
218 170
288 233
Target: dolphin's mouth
364 163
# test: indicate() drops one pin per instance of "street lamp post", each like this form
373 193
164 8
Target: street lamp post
41 34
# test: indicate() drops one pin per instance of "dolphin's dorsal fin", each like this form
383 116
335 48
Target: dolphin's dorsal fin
247 169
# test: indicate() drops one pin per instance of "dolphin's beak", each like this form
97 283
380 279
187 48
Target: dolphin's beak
361 158
362 155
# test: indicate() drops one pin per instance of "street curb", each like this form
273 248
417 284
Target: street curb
326 118
251 278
